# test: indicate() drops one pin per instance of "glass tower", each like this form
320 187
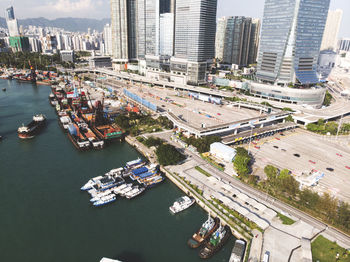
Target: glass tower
291 37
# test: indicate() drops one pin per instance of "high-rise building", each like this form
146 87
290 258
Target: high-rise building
233 40
254 41
195 30
148 28
330 35
123 26
291 37
107 37
166 34
119 21
12 23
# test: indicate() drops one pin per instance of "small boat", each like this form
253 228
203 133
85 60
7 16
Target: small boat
206 230
125 190
181 204
98 196
217 240
4 89
135 192
105 200
118 189
30 130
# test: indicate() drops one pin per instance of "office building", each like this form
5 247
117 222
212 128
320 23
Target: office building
330 35
166 34
148 28
195 30
233 40
289 47
67 56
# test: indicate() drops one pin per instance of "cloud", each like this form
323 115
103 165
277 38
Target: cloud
68 6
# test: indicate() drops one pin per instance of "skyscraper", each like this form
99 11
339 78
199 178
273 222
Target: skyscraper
166 34
290 41
12 23
233 40
123 26
107 37
195 27
330 35
148 28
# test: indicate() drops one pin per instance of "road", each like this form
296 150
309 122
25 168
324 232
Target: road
340 237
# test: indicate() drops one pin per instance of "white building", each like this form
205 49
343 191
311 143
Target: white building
107 37
330 35
166 34
222 151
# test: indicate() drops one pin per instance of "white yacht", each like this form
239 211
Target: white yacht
105 200
181 204
91 183
98 196
135 192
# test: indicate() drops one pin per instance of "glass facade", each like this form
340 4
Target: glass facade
10 14
290 41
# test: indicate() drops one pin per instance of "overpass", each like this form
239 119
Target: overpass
144 80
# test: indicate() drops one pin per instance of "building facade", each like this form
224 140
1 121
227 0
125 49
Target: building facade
195 30
254 41
12 23
344 44
233 40
107 40
291 37
166 34
330 35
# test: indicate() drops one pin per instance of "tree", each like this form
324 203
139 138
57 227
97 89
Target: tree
242 161
289 118
168 155
285 173
327 99
271 173
309 199
343 217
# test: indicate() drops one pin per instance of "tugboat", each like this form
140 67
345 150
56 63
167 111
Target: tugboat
204 232
216 242
32 128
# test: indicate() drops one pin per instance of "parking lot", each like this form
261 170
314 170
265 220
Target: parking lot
300 152
193 111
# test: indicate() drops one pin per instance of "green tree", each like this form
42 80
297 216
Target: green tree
168 155
285 173
327 99
271 173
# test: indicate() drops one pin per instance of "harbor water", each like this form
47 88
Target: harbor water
45 217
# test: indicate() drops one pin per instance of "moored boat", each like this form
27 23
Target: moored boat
105 200
181 204
217 240
206 230
30 130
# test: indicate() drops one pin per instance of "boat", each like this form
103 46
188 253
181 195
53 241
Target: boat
91 183
181 204
4 89
94 140
133 163
217 240
238 250
78 140
98 196
206 230
65 122
125 190
135 192
108 182
105 200
32 128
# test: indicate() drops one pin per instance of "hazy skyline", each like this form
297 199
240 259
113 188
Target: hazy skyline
100 9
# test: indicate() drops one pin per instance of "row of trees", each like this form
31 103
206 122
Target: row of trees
24 59
280 183
321 127
202 144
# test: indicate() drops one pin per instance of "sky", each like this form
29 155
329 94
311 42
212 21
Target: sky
99 9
